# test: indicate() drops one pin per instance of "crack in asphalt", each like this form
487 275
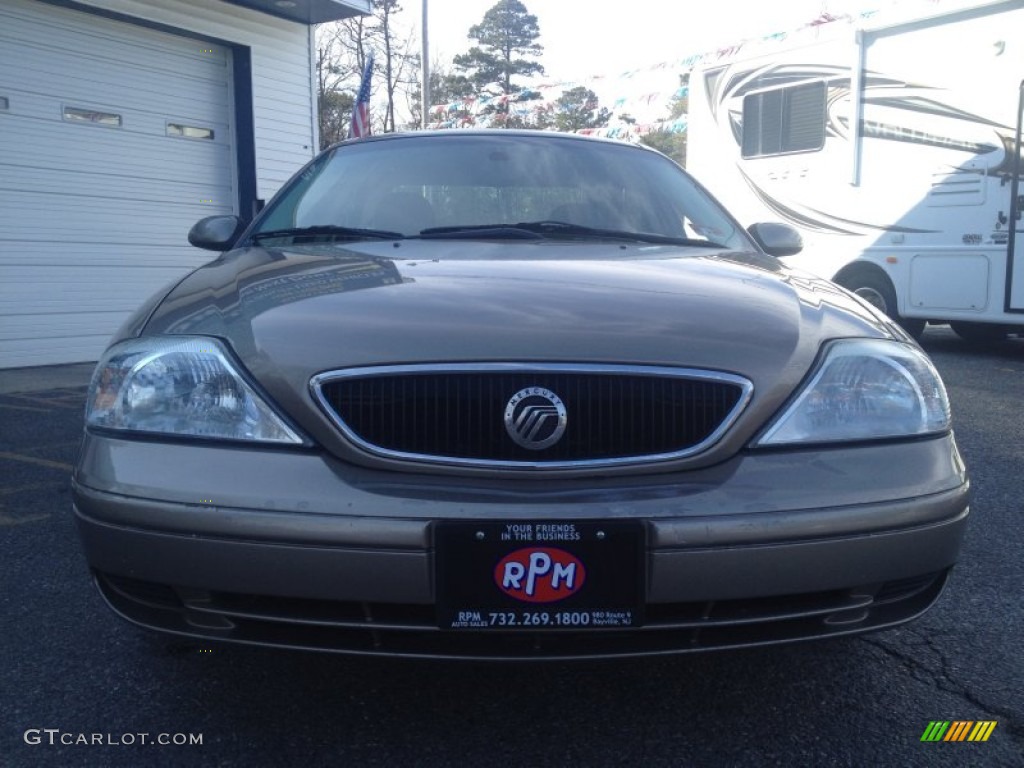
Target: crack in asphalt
943 679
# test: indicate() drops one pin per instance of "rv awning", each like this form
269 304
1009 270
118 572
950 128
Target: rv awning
308 11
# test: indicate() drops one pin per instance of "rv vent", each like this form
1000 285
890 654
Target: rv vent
957 187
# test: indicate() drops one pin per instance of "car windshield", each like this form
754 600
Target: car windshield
499 186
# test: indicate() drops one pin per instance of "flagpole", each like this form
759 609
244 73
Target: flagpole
425 72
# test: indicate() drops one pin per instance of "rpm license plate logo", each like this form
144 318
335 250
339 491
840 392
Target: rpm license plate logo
540 574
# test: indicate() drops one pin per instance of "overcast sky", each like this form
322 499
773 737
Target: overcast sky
583 38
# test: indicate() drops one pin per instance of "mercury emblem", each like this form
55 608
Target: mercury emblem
535 418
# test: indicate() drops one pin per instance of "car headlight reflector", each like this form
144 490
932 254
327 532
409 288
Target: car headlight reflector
865 389
186 386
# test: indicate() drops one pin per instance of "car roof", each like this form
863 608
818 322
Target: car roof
467 132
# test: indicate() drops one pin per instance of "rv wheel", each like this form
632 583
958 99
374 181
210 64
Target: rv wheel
876 289
980 333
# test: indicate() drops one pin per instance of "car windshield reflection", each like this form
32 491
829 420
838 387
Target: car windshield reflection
502 185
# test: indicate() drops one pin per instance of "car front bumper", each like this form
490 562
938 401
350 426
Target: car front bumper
296 549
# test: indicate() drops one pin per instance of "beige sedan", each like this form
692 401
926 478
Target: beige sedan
512 395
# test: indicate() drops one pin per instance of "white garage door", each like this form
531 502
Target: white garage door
114 140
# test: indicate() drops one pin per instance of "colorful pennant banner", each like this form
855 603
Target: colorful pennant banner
536 101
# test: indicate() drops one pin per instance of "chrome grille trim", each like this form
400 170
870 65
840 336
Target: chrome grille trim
745 387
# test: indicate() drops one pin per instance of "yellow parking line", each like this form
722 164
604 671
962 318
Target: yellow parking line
34 460
24 408
55 446
56 402
29 487
11 521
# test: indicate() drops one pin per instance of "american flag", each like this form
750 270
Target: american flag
361 109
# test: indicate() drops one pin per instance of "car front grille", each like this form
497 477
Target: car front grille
410 630
456 414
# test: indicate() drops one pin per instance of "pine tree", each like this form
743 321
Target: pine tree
506 48
577 109
444 89
673 143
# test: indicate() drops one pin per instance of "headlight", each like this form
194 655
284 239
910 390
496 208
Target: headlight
864 390
179 386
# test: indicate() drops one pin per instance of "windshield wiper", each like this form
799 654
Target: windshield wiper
568 229
480 231
329 231
533 230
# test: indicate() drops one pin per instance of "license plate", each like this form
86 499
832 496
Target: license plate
539 575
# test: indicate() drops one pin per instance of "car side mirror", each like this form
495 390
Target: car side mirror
216 233
776 239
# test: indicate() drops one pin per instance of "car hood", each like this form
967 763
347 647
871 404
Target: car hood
294 312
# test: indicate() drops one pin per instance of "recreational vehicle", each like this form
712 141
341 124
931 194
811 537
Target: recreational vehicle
893 144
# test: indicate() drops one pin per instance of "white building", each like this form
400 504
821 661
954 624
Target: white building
122 123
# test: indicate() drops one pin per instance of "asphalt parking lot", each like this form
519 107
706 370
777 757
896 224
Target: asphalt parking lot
80 687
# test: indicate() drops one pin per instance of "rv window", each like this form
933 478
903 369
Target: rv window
784 120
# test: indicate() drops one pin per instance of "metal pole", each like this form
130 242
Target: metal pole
1015 202
425 72
861 42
